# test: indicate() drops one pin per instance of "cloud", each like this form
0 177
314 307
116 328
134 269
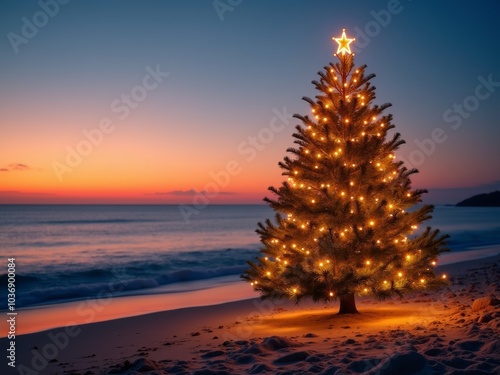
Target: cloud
19 167
189 193
15 167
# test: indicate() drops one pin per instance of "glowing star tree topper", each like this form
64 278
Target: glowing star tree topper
344 43
346 222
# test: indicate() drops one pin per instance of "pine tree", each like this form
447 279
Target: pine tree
343 225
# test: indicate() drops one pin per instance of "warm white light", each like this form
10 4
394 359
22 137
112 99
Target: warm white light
343 43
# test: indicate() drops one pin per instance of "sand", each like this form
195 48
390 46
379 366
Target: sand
453 331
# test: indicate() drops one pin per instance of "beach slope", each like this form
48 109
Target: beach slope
453 331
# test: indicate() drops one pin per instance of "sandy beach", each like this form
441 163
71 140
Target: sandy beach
446 332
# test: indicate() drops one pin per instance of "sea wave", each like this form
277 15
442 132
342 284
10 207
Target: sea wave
68 282
116 286
471 239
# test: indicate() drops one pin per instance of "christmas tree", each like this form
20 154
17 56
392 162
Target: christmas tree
343 225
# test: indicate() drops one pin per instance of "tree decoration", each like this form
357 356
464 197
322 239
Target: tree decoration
346 223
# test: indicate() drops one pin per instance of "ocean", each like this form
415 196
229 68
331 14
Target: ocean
72 252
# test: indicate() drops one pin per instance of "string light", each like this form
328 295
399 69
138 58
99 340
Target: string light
344 145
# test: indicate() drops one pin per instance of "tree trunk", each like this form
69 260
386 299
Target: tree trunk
348 305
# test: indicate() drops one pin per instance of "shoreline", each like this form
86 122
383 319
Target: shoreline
235 337
94 310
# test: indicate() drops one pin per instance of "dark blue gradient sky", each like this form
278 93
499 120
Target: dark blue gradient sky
227 72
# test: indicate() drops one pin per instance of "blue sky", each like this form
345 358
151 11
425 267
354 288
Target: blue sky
229 66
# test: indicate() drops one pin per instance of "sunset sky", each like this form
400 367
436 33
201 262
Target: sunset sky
149 101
